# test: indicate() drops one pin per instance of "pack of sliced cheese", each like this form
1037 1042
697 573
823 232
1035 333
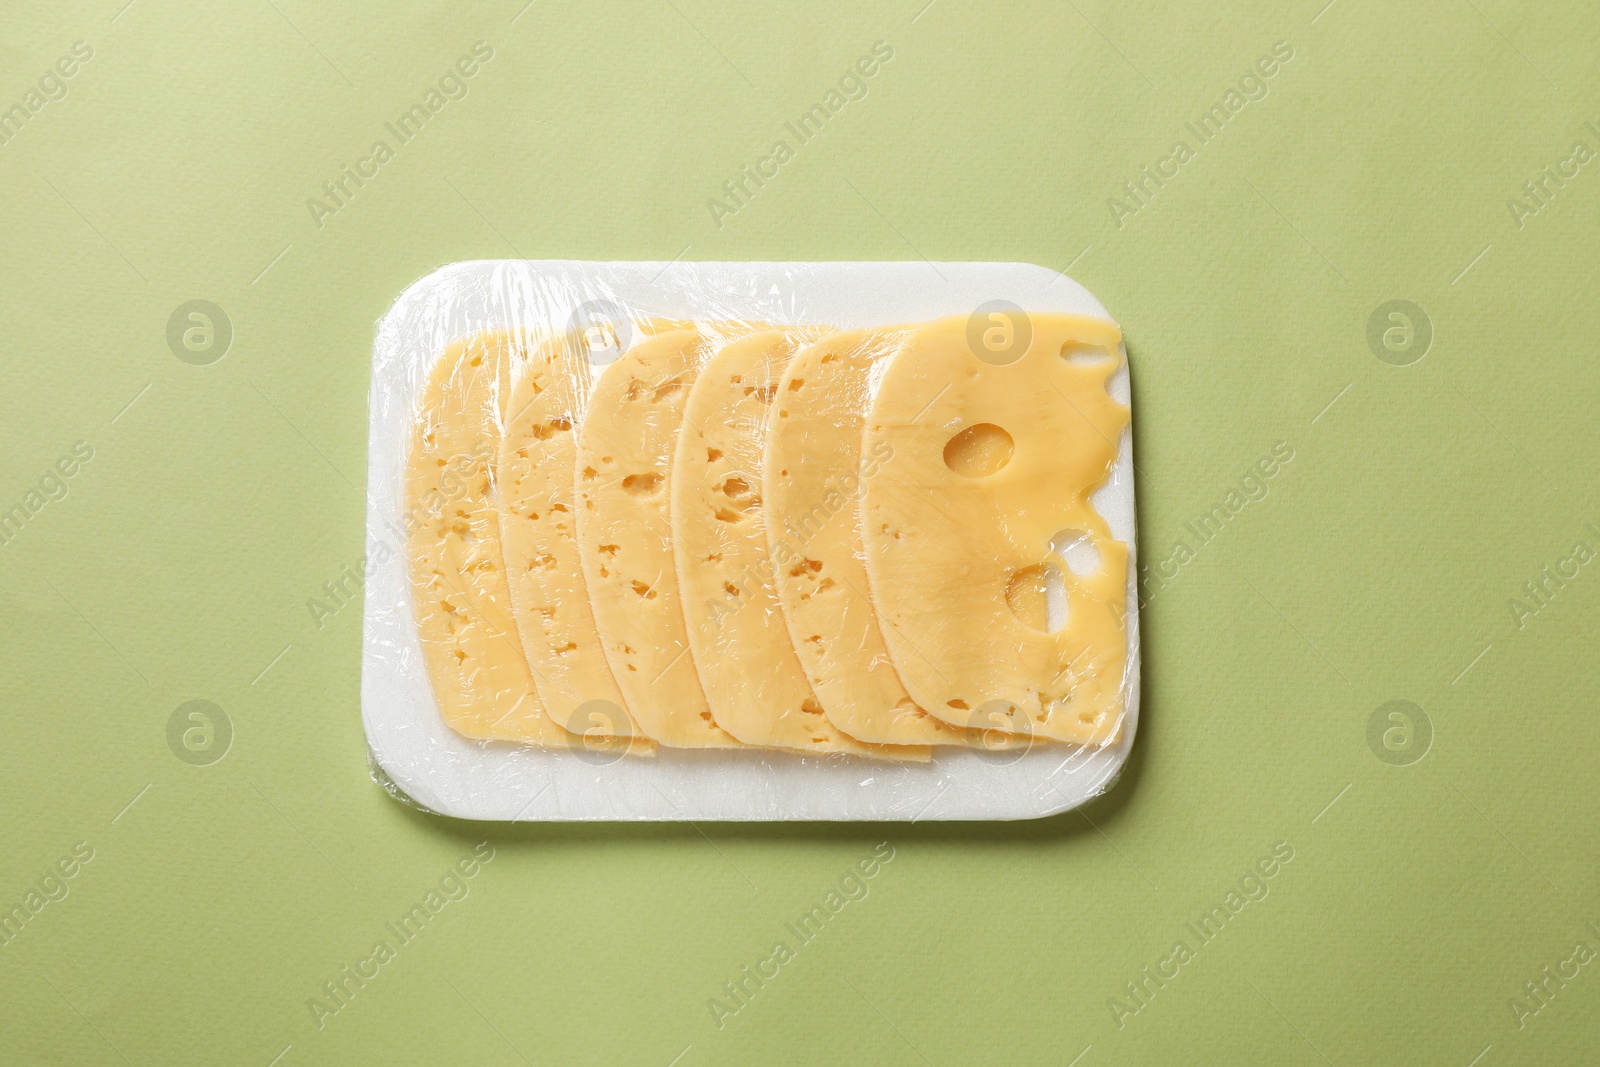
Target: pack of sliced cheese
749 541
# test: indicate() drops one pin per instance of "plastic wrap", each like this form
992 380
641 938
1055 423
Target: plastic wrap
753 541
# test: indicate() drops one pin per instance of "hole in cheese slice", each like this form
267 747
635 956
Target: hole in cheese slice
624 540
941 549
470 648
1037 596
813 473
979 451
1077 548
752 677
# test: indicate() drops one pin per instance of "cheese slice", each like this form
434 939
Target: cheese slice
538 531
812 477
992 467
752 678
624 539
459 594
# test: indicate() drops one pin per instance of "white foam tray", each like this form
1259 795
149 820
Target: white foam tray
441 771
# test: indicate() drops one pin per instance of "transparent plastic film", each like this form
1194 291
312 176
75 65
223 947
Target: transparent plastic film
756 687
482 679
749 541
814 473
625 542
994 456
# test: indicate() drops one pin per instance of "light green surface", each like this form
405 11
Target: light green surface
1379 566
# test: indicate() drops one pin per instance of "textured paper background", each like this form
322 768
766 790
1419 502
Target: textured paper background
1380 566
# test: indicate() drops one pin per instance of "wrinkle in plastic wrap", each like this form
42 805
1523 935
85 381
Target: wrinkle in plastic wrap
728 541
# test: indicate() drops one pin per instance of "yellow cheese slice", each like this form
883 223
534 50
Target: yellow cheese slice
538 531
459 594
752 678
625 446
993 463
812 476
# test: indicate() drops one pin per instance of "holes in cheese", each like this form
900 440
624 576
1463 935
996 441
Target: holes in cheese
812 476
460 597
1082 354
1077 548
624 541
644 484
979 451
957 564
748 666
1036 595
538 533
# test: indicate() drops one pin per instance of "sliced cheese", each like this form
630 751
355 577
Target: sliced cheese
459 594
752 678
538 530
992 463
624 452
812 476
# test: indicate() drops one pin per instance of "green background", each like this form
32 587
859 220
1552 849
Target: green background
1379 567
